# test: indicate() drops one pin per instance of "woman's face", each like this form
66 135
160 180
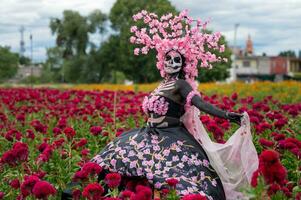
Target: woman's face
173 62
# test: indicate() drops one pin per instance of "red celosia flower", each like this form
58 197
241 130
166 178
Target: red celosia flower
142 193
58 143
234 96
280 123
96 130
113 180
69 132
80 175
38 126
296 152
19 153
28 184
30 134
40 174
172 182
165 191
76 194
62 123
278 137
46 154
273 188
298 196
15 183
56 131
43 189
11 134
85 152
271 168
92 168
43 146
265 142
1 195
126 194
112 198
254 178
93 191
194 197
81 143
286 191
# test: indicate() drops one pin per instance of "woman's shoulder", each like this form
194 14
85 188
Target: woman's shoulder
182 83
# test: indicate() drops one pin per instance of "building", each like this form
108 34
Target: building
25 72
250 67
294 66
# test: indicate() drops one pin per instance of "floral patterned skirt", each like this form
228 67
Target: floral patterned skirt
158 154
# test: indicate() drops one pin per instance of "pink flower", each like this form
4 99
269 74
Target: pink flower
132 39
136 51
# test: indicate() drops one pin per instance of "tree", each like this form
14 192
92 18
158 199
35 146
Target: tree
8 63
23 60
143 68
71 55
219 70
288 53
136 68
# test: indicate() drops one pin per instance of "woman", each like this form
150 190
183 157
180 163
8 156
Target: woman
174 144
165 148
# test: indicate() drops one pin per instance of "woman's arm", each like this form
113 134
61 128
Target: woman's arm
197 101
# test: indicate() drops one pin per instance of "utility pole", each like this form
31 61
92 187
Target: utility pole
234 53
31 59
22 43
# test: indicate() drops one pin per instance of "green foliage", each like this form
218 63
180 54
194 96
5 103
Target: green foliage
8 63
140 69
76 59
219 70
289 53
70 60
24 60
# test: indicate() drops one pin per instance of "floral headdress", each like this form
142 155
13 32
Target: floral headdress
177 33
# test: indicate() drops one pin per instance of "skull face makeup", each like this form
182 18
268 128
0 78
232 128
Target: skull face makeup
173 62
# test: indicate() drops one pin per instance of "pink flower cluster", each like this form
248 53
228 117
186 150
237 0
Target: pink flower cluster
156 104
189 97
177 33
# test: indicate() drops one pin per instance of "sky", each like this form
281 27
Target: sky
274 25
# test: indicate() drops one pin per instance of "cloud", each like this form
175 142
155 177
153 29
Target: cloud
274 25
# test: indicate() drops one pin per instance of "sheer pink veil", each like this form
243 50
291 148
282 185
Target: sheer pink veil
234 161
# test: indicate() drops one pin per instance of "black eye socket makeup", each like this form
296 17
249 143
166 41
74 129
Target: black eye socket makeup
168 57
177 59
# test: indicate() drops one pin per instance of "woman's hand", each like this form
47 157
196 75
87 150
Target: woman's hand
234 117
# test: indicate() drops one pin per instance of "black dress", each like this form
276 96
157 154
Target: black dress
164 150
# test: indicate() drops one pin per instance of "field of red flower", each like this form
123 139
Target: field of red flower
47 135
